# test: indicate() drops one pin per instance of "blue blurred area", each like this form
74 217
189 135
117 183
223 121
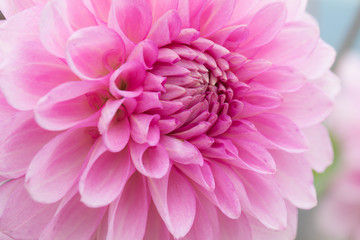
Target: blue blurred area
335 18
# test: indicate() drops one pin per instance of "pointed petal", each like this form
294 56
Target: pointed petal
73 220
155 228
160 7
99 8
66 152
202 175
175 201
145 52
144 128
234 229
128 215
20 140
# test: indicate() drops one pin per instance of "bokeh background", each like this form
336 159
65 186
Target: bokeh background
339 22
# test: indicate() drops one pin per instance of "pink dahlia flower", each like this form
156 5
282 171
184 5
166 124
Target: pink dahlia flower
158 119
339 213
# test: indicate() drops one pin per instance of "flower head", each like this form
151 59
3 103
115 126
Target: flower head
136 119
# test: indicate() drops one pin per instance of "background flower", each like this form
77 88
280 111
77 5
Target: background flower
189 120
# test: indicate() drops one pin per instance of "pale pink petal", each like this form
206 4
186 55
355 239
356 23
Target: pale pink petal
160 7
175 201
100 8
320 154
133 18
20 140
307 106
128 215
181 151
265 25
202 175
280 131
69 104
6 111
30 73
165 29
150 161
234 229
266 202
92 58
13 7
55 28
145 52
105 176
295 179
57 165
76 9
73 220
144 128
215 15
20 211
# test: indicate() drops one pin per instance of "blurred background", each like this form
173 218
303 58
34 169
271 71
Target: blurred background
339 22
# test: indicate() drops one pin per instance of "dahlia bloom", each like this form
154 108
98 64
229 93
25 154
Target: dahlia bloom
158 119
339 213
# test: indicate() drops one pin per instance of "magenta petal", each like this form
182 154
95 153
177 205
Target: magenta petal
127 80
145 52
20 140
55 28
165 29
150 161
156 228
280 131
202 175
30 73
73 220
295 179
181 151
68 104
128 215
160 7
133 18
215 15
105 176
92 58
67 152
144 128
175 201
20 212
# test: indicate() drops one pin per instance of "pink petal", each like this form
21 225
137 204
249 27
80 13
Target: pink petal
265 25
105 176
147 101
295 179
92 58
13 7
30 73
165 29
55 28
100 8
224 195
214 15
6 111
68 104
128 215
76 9
144 128
127 80
22 217
292 45
280 131
181 151
145 52
237 229
320 154
202 175
73 220
115 131
272 212
133 18
160 7
307 106
150 161
155 228
67 152
20 140
175 201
